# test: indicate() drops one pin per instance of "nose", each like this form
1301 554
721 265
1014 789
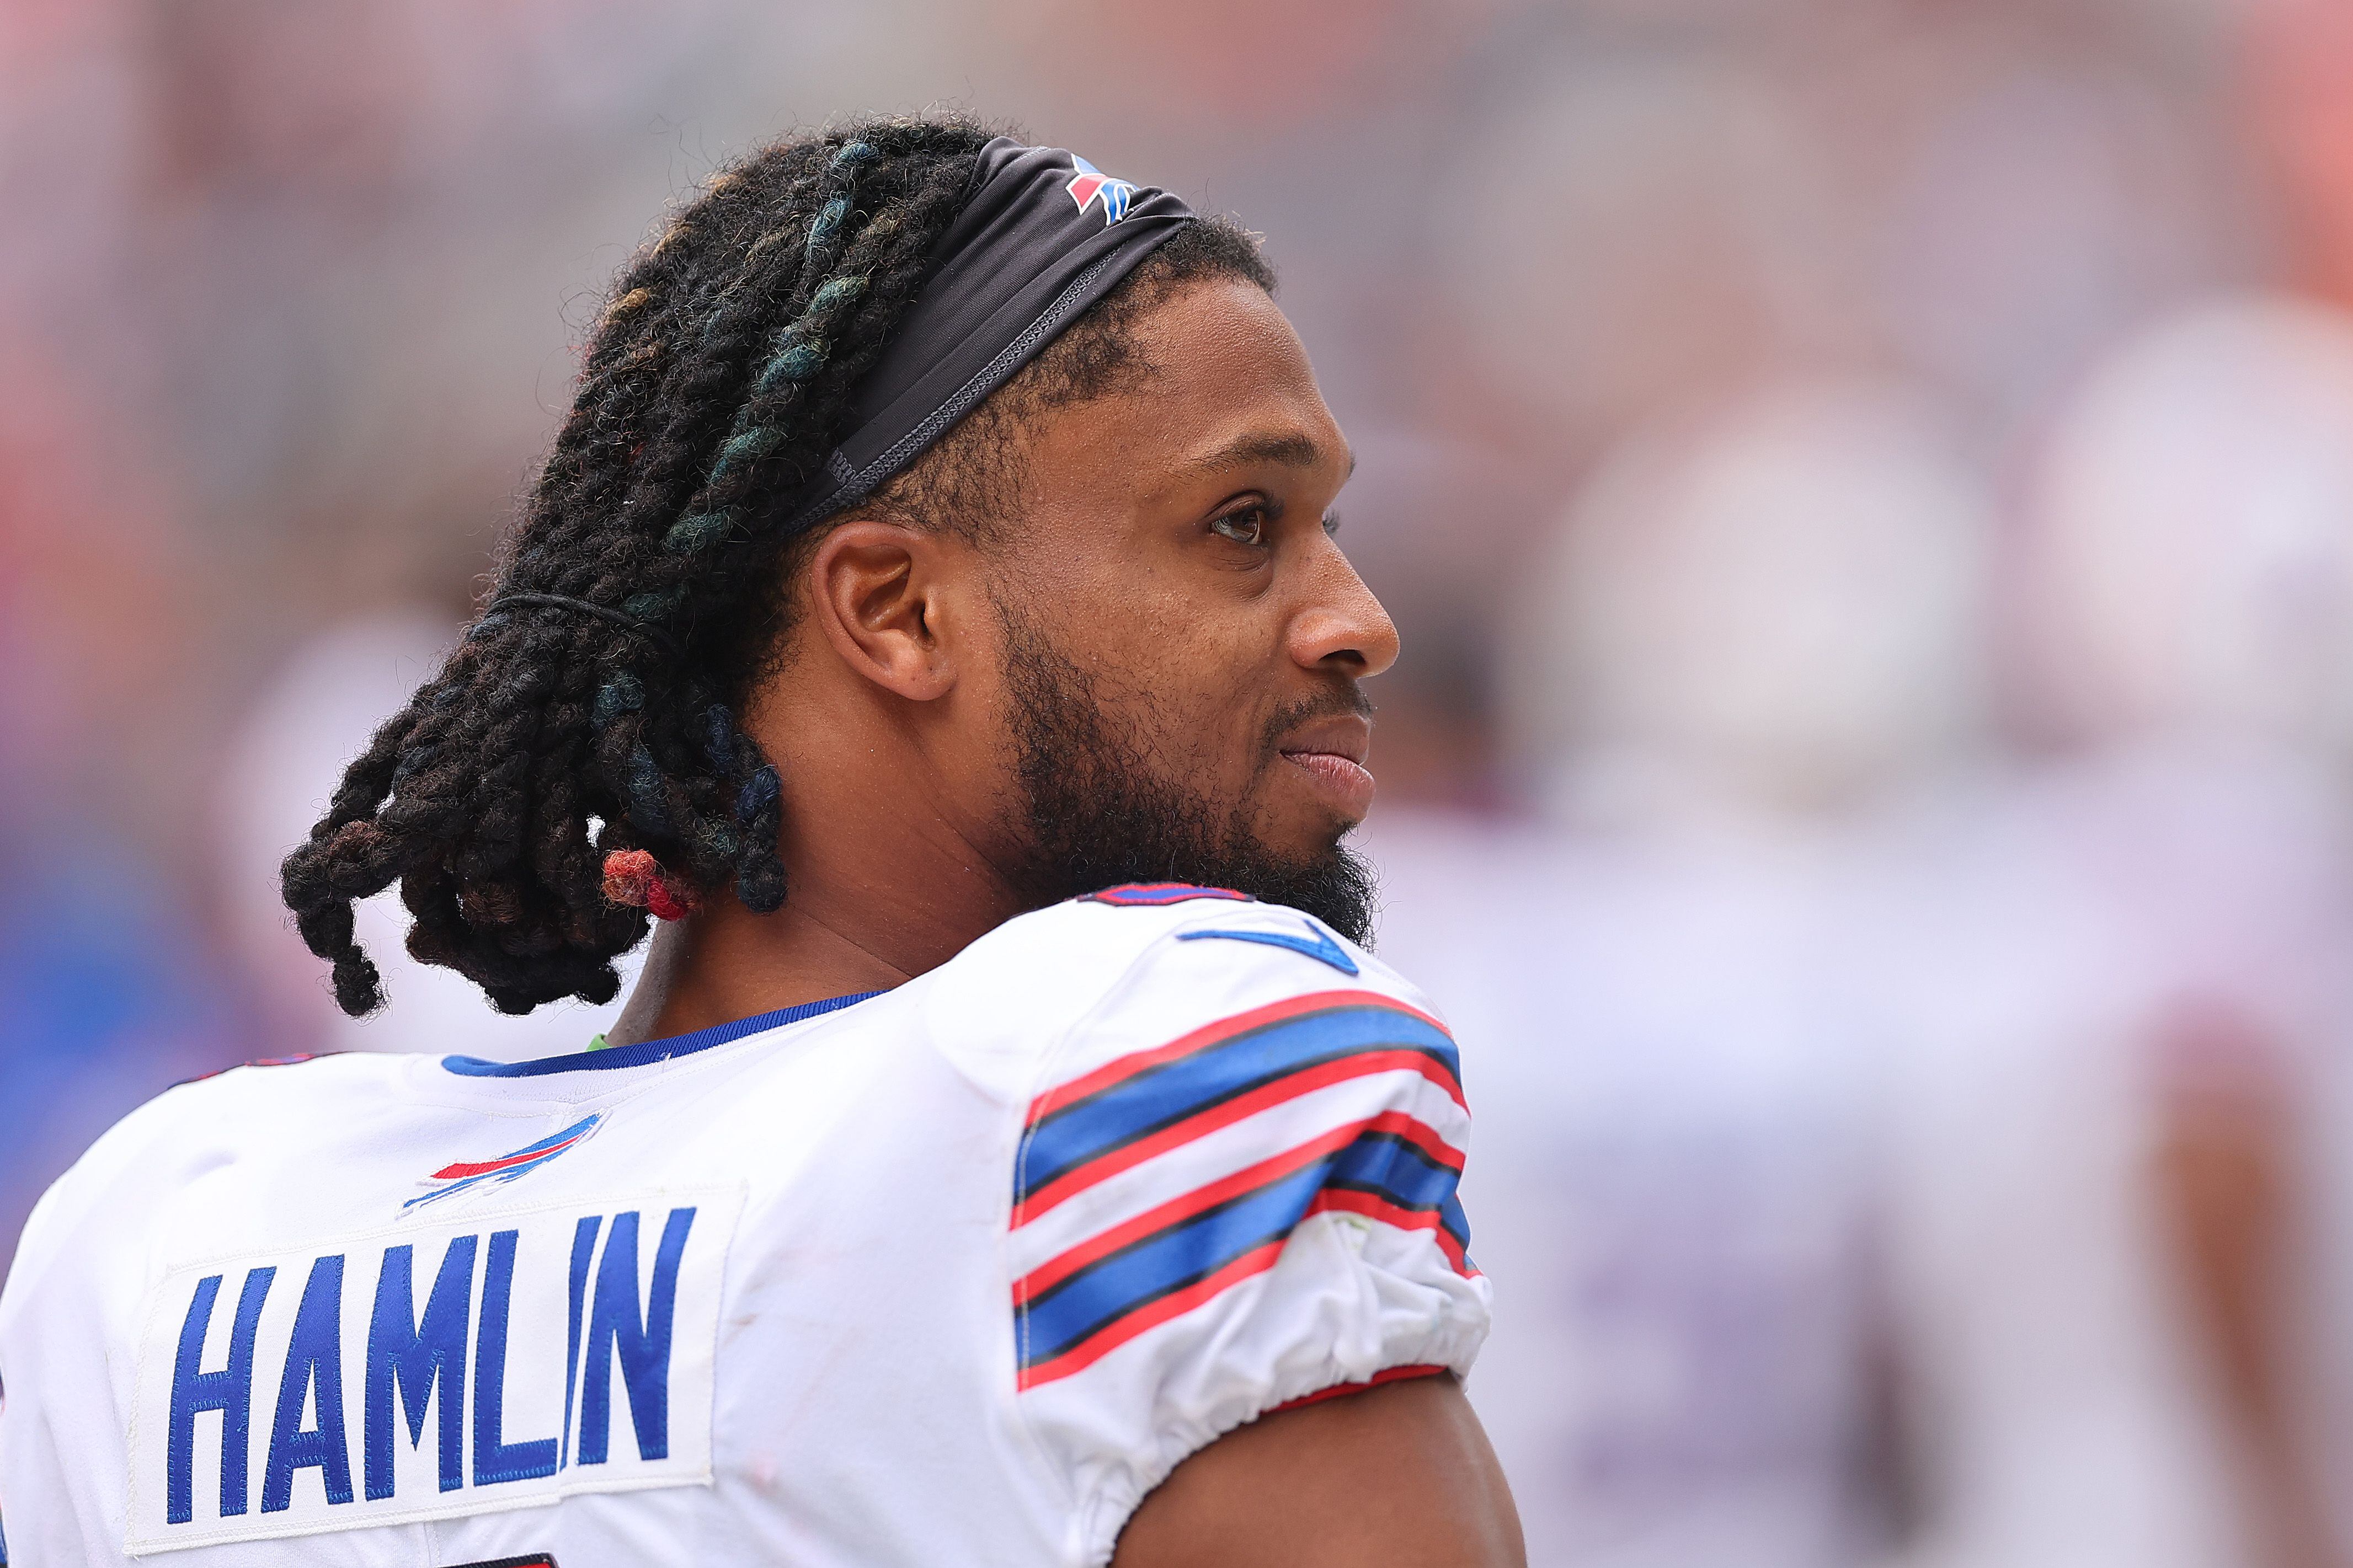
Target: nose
1342 627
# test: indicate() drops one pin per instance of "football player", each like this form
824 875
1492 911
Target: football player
929 611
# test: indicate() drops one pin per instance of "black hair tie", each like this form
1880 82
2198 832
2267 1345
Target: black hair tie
602 612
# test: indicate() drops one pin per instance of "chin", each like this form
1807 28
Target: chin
1308 833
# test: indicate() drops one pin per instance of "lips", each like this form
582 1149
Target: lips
1330 752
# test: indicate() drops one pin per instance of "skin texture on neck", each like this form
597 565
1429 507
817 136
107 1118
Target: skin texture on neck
1172 542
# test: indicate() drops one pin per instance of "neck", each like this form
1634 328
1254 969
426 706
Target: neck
875 903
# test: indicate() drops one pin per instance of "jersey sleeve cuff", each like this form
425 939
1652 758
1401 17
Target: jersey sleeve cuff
1330 1318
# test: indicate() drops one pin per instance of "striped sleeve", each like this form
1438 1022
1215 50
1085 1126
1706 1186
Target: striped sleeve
1250 1212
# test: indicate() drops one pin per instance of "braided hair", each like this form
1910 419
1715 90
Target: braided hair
564 773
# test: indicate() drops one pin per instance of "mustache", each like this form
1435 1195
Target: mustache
1347 701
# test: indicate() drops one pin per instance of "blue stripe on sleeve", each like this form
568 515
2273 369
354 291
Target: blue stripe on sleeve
1170 1259
1457 1223
1070 1135
1397 1170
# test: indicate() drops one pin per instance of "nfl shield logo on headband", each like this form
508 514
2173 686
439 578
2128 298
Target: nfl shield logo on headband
1090 182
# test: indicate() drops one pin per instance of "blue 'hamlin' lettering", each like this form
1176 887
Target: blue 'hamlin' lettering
228 1391
409 1358
584 1244
614 1324
314 1361
416 1364
495 1458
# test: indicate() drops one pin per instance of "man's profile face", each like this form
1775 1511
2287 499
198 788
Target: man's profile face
1182 637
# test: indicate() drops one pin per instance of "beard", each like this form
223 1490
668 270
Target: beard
1099 813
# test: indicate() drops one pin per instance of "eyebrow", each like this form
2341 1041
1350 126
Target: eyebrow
1287 447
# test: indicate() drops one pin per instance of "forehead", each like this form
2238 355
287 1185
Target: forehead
1226 387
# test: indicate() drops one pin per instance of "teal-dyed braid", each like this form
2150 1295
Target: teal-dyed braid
797 356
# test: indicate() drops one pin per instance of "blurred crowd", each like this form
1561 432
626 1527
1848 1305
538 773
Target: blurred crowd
1867 490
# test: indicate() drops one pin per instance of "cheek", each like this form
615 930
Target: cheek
1204 733
1184 671
1199 718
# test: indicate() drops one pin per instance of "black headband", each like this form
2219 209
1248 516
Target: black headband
1042 234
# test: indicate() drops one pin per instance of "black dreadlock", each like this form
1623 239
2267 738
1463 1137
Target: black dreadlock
717 380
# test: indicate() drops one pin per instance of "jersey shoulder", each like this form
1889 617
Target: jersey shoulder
1235 1187
1082 982
145 1166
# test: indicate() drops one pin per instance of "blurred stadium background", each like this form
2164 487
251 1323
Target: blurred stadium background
1867 487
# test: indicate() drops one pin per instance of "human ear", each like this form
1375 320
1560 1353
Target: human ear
876 592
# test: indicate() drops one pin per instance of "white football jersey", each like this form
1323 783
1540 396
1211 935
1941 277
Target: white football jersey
952 1273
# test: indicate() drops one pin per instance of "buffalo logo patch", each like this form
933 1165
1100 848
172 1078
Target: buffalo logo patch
463 1174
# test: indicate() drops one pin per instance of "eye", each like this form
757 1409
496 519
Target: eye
1243 525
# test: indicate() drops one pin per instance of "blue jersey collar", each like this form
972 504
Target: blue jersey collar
647 1051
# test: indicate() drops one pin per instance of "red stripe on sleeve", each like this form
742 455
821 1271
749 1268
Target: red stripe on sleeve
1177 1210
1128 1066
1175 1304
1365 1064
1345 1200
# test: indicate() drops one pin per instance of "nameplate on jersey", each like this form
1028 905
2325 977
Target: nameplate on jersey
431 1370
